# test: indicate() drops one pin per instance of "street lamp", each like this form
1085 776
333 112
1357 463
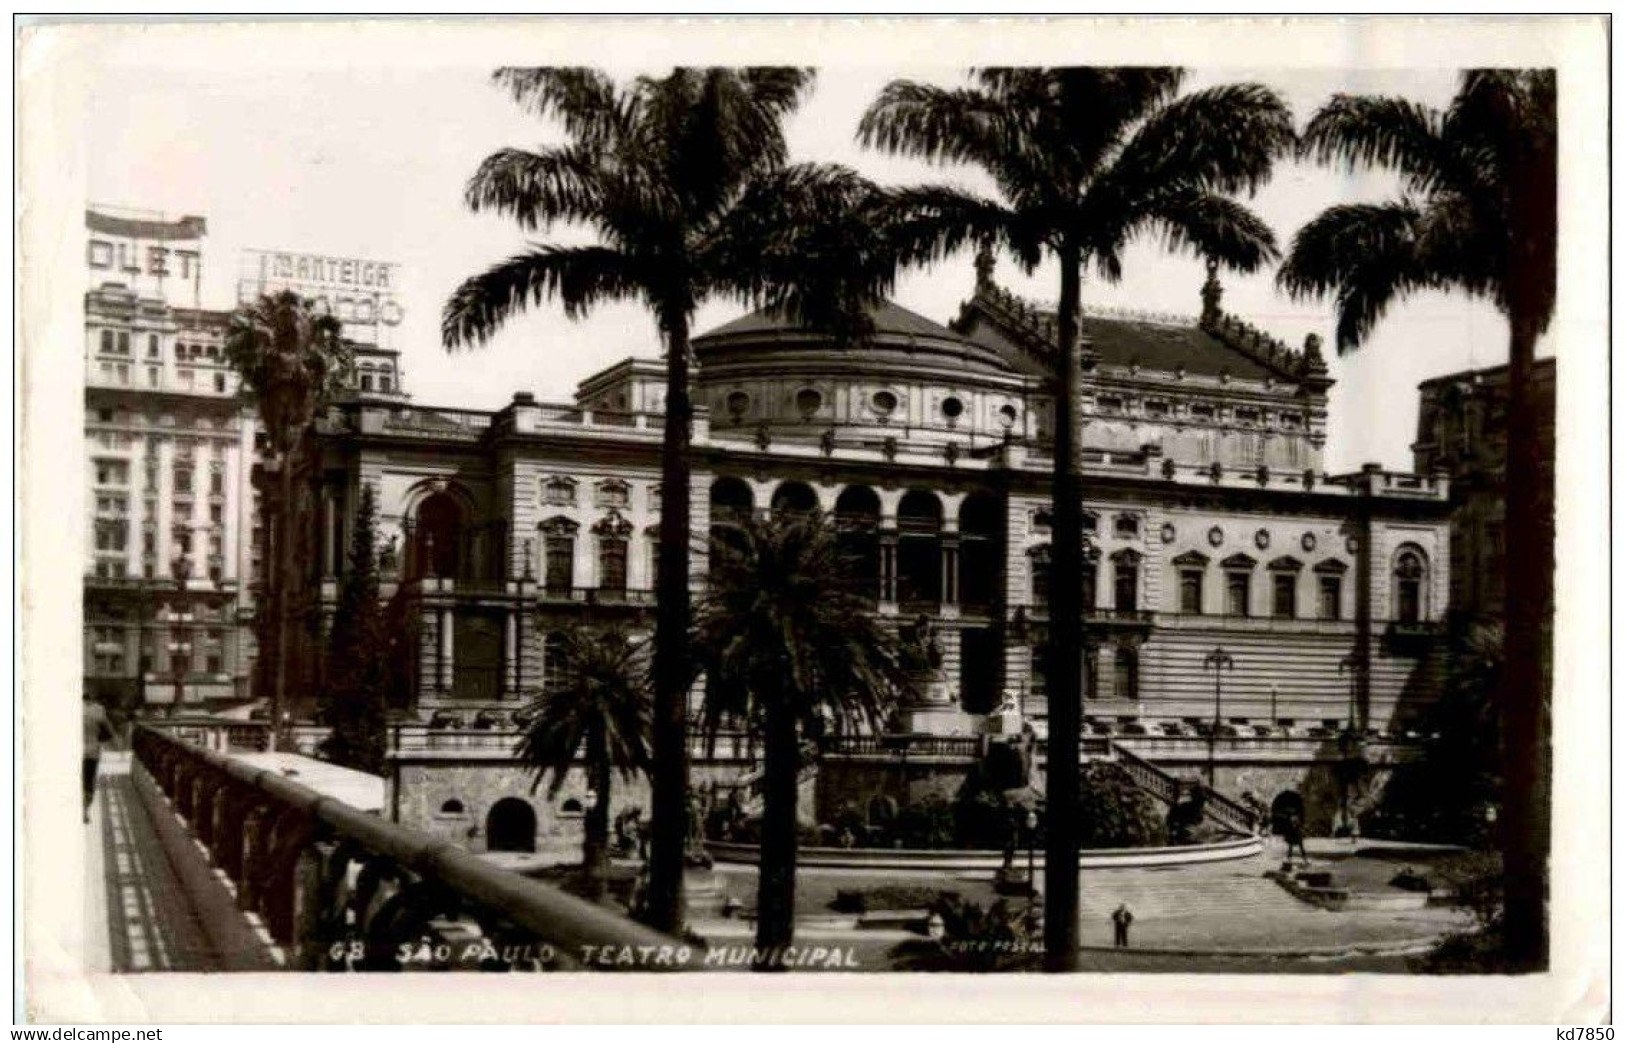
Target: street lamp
180 649
1218 661
1350 664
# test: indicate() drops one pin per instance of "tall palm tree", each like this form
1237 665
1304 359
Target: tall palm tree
601 713
1086 160
292 362
790 644
685 183
1477 214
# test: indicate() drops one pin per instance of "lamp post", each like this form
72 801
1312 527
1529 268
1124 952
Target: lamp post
180 649
1218 661
1350 664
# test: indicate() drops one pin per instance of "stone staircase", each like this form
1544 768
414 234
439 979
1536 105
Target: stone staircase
1223 812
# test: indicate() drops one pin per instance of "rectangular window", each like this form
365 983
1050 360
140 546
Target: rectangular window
1089 599
1190 591
612 564
560 564
1284 602
217 483
366 382
1040 579
215 665
1331 597
183 480
152 345
1156 408
217 514
112 472
149 542
1126 587
1236 588
220 383
123 343
107 342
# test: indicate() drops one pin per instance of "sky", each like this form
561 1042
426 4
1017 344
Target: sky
370 161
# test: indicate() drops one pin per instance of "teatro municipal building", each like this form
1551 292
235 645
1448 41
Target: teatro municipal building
1244 607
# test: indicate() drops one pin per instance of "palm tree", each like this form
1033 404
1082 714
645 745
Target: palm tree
1477 214
790 645
601 712
1086 160
685 183
292 363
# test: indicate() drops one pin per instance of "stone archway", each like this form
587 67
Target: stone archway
1286 806
510 826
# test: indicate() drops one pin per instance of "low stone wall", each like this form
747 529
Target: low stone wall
990 861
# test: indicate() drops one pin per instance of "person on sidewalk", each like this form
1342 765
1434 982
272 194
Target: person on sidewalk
1121 918
98 729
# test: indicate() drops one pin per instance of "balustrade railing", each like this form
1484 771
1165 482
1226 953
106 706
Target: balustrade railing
1228 813
341 889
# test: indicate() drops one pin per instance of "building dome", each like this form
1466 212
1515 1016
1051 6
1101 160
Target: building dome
763 371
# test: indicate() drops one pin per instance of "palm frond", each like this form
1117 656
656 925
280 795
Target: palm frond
537 189
606 692
1363 131
580 276
584 99
1222 139
1206 223
1365 254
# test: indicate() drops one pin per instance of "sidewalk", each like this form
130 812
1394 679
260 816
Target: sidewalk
137 916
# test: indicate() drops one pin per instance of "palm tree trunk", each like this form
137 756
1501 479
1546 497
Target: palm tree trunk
1064 682
669 741
776 883
284 569
1525 699
595 826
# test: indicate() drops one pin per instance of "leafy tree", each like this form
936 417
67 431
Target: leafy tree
292 362
1452 792
1477 214
684 182
1086 160
600 713
789 642
1114 812
355 695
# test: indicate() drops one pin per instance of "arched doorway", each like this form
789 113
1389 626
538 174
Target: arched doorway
437 537
731 501
1283 809
510 826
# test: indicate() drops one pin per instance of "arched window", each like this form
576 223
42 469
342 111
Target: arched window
919 550
1126 674
792 498
857 522
731 501
452 807
1410 585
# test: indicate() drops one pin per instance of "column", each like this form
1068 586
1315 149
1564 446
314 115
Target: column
510 653
950 569
446 650
888 568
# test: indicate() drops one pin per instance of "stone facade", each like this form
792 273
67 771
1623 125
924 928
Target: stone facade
1215 525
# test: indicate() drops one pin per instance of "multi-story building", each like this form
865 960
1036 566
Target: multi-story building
169 463
1461 432
1237 591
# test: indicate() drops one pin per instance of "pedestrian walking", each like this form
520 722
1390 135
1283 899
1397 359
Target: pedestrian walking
98 729
1292 831
1121 918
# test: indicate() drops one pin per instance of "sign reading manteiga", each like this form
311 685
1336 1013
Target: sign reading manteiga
361 294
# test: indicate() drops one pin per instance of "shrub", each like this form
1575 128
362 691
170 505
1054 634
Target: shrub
1114 812
1004 937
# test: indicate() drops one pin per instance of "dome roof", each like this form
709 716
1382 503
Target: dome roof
897 331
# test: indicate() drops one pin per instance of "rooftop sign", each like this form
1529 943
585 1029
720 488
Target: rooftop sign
360 293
